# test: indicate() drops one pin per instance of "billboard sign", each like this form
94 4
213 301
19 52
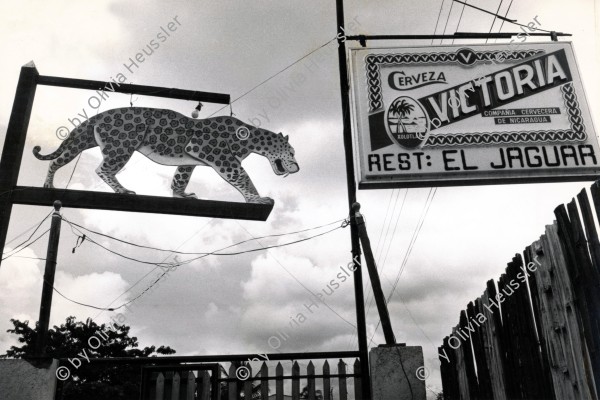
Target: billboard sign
476 114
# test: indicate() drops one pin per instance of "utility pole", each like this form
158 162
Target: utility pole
361 324
48 288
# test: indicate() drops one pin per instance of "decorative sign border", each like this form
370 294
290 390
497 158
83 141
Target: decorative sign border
372 103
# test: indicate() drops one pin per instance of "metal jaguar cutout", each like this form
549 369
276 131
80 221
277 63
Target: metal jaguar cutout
170 138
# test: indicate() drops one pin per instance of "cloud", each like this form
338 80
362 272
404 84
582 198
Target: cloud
21 288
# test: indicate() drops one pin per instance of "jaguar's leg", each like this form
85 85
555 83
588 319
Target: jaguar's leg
232 171
181 180
60 162
109 168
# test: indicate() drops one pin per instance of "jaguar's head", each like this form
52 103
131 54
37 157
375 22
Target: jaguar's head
281 156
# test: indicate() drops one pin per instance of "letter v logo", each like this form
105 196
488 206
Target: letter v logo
466 56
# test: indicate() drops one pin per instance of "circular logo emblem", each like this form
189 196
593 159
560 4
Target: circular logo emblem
406 122
466 56
242 133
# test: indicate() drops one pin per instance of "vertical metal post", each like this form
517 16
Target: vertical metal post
48 285
14 143
351 183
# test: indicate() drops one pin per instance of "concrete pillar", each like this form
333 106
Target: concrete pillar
20 380
389 379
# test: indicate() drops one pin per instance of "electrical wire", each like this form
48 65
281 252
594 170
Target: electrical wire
27 230
30 236
197 253
168 267
438 19
502 24
485 11
494 20
511 21
379 265
413 240
274 75
460 18
447 19
382 265
155 268
29 244
300 283
202 255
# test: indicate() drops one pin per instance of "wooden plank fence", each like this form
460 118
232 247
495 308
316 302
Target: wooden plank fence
193 383
535 334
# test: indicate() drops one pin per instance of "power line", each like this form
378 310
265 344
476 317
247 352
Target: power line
171 266
274 75
460 18
27 230
438 19
197 253
502 24
394 231
382 265
299 282
30 236
495 16
486 11
28 244
155 268
428 203
447 19
413 240
205 254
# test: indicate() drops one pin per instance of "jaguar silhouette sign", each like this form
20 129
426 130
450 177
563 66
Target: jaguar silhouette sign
464 115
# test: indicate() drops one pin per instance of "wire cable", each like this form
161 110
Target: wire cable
299 282
155 268
197 253
168 267
460 18
202 255
438 19
30 236
447 19
27 230
502 24
274 75
29 244
414 238
494 20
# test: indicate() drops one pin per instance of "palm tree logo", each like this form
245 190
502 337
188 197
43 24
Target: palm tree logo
401 109
407 122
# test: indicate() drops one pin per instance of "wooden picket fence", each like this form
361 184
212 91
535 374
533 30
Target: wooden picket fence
193 382
536 333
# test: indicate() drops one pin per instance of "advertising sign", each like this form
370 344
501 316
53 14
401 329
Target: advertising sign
465 115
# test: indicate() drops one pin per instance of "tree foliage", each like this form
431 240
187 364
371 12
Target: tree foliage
79 341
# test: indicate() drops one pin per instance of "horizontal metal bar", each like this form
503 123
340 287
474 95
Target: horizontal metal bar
222 358
477 181
140 203
457 35
130 88
182 367
287 377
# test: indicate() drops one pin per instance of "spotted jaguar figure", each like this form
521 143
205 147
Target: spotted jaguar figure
169 138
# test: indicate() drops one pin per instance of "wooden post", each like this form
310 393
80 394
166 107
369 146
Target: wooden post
384 315
361 324
14 143
48 284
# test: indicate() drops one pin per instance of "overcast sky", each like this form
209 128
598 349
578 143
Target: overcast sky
221 305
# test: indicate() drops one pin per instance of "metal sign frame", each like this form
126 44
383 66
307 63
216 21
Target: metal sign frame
467 157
